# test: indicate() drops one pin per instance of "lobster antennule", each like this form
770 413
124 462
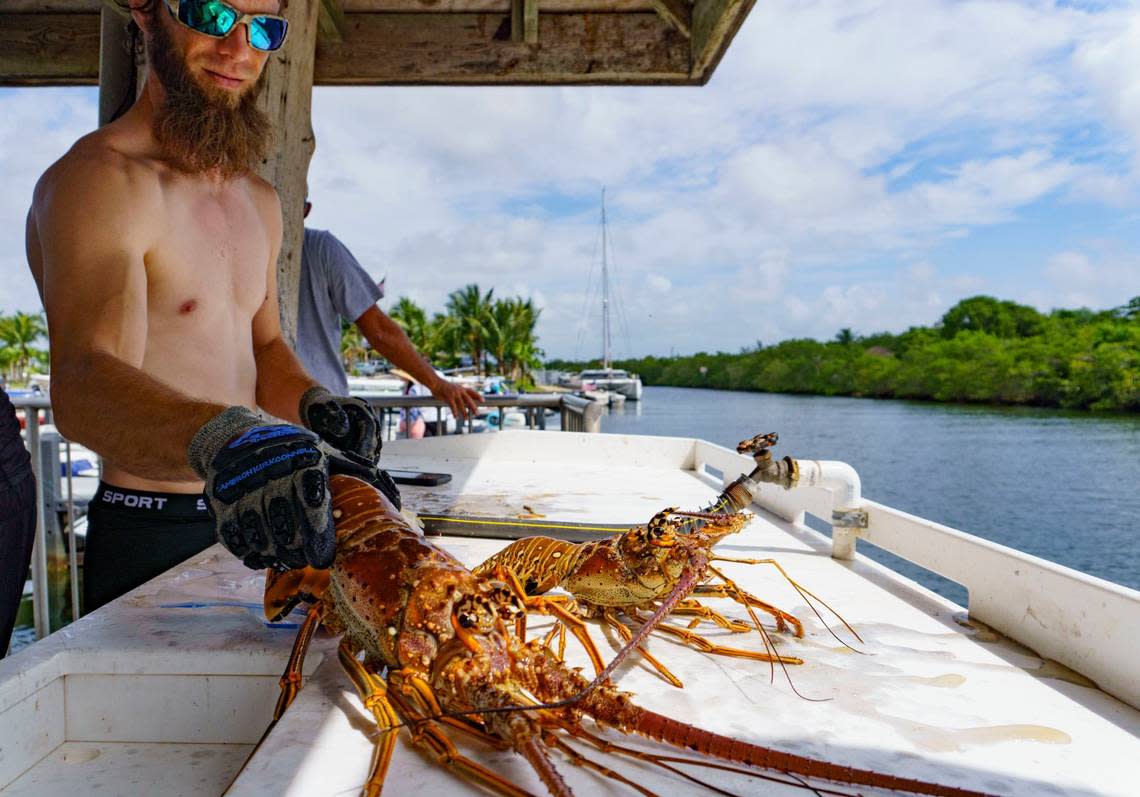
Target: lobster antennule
671 731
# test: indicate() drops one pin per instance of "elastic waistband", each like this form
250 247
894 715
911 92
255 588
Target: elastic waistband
150 503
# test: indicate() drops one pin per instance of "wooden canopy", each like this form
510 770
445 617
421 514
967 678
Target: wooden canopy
430 42
384 42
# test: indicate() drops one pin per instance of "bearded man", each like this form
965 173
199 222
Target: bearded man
154 247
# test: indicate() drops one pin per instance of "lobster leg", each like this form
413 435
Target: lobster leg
578 759
374 695
731 591
697 641
806 594
408 700
291 678
691 607
611 619
553 606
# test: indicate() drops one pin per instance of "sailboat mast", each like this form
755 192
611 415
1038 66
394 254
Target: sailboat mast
605 292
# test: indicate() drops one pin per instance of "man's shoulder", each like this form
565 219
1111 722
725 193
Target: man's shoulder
267 200
96 164
319 237
324 245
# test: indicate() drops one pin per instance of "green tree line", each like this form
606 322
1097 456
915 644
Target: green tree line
476 325
982 350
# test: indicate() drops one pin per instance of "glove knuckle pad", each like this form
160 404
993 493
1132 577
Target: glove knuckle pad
314 488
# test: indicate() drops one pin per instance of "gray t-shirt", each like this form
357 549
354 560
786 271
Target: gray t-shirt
333 286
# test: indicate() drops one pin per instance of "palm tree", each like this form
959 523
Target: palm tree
471 310
19 332
434 337
499 332
511 338
352 348
414 321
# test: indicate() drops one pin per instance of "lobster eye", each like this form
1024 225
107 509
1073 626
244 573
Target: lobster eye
467 620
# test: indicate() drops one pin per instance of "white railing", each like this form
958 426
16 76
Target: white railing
1086 623
576 413
48 507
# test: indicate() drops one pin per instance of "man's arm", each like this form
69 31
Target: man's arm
386 336
89 230
281 379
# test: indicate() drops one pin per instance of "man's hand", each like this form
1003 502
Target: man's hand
463 401
347 423
267 488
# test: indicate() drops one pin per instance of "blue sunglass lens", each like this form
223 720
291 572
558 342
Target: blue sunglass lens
212 17
266 33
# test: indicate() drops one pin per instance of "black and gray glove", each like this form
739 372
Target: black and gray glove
267 488
347 423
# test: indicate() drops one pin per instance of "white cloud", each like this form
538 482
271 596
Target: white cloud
808 187
1096 279
37 126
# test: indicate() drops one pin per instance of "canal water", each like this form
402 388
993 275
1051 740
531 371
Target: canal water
1062 486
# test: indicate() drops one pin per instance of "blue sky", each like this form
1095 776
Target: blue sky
857 163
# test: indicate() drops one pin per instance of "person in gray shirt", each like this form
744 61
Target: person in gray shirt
334 286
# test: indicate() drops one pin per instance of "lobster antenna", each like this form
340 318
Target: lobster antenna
665 762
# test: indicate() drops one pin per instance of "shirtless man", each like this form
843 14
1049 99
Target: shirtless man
154 248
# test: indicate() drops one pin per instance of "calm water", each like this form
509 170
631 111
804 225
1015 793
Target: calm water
1062 486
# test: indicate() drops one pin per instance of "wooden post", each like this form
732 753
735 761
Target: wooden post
287 98
119 74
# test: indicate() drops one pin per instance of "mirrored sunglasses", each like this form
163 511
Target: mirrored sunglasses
265 32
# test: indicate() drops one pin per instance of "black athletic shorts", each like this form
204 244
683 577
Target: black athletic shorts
17 532
17 518
134 535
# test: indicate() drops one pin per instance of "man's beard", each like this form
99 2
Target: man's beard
204 131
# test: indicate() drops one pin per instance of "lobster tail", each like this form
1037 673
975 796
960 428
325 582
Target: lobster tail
671 731
539 562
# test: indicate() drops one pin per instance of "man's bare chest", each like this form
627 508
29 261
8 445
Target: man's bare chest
212 258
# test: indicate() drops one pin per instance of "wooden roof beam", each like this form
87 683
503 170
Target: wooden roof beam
419 49
45 49
677 13
331 23
457 48
715 23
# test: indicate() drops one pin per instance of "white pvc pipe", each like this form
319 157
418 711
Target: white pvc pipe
843 481
837 476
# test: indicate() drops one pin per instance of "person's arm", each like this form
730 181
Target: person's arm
386 337
281 379
90 227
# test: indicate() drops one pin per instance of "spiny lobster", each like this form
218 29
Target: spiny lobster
630 573
438 651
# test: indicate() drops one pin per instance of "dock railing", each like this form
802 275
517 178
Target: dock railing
576 413
57 507
1086 623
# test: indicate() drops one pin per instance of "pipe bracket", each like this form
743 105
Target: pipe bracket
849 518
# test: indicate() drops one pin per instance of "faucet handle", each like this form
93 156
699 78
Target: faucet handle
758 445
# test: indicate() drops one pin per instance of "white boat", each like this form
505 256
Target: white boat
615 380
1029 690
382 385
607 377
